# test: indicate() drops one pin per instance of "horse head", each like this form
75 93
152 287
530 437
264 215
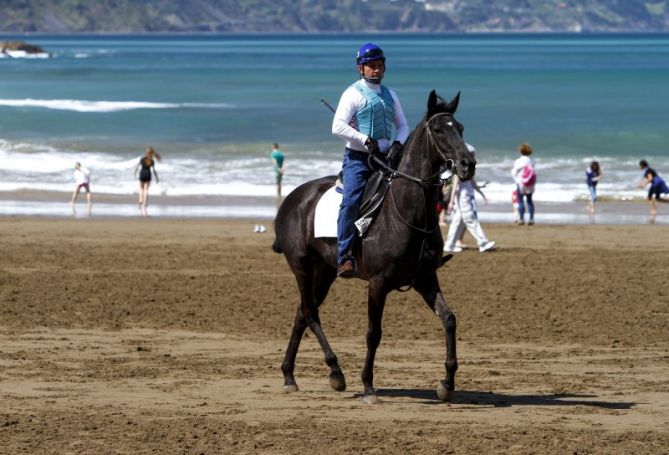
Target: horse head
445 134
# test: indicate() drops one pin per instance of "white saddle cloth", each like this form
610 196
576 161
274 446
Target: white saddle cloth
327 212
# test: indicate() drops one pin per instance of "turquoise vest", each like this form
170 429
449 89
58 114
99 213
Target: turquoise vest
376 118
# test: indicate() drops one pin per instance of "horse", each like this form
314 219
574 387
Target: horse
402 247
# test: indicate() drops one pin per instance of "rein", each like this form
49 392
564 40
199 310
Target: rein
425 183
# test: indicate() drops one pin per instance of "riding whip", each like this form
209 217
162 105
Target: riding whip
328 105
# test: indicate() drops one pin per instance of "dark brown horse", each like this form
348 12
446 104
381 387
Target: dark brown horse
402 247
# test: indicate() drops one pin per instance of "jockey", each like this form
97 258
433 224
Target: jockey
365 117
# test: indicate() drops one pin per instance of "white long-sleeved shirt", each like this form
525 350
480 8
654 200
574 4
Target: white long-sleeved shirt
517 170
82 175
350 103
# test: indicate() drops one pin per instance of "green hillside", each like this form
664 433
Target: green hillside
132 16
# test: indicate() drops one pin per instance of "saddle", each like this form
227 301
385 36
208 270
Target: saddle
375 192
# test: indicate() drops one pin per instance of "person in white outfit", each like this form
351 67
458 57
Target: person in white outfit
464 214
82 180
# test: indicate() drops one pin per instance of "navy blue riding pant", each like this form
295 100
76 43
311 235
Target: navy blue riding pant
356 172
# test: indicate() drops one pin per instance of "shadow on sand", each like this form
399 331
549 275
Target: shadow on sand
497 400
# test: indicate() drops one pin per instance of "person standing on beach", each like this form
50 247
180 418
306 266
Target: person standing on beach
525 177
144 167
592 176
462 205
365 116
82 179
657 187
277 162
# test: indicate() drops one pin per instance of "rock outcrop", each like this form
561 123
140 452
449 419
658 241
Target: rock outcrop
20 49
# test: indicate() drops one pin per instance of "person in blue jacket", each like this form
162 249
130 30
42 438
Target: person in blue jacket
657 187
370 119
592 176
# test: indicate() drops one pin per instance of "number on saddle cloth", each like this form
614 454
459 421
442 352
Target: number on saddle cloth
375 192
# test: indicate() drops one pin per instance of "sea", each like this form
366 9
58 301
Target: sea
212 105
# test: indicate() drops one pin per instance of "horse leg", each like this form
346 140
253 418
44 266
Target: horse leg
375 304
313 290
323 279
288 365
429 290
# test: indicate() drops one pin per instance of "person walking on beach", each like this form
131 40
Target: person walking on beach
277 163
657 187
82 179
462 205
144 167
592 176
525 177
365 116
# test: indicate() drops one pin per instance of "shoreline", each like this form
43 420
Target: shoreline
56 204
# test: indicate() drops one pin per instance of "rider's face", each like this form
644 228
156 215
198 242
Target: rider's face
374 69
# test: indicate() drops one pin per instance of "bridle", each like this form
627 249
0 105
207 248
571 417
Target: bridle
429 181
448 163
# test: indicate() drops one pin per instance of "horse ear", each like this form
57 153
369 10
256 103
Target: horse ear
432 102
453 105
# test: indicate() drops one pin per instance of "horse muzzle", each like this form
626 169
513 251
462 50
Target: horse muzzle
465 169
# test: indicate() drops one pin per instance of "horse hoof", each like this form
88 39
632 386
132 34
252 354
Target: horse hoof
290 388
370 399
337 382
444 394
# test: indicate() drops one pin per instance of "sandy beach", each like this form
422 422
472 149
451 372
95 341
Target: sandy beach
165 335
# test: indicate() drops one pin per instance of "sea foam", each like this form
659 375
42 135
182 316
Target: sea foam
105 106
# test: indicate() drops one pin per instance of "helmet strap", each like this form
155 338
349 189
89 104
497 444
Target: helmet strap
371 80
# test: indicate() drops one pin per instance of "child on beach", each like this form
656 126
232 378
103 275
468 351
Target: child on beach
657 188
592 176
82 179
514 202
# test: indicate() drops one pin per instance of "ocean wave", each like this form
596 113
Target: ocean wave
106 106
213 170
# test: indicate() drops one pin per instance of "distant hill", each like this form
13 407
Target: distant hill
132 16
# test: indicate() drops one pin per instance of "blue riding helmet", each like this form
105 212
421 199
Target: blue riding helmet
369 52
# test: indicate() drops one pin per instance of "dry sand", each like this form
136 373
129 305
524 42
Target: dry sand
166 336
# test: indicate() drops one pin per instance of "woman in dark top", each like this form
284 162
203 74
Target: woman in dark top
145 165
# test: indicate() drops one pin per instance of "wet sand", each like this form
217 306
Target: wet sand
56 204
166 335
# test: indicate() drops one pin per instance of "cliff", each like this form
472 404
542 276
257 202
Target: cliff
131 16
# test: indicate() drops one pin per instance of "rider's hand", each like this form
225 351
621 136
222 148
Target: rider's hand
372 146
395 151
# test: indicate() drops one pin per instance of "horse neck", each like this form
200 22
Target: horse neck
415 160
416 201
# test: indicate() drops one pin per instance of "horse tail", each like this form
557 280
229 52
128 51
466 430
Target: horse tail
276 247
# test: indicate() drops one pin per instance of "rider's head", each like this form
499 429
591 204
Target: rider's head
371 63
